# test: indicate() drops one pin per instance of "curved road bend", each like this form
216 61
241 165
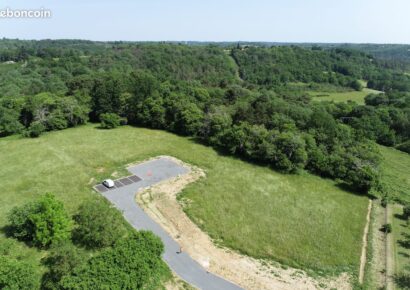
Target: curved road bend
182 264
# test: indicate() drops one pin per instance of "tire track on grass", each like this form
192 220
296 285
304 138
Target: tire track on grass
364 246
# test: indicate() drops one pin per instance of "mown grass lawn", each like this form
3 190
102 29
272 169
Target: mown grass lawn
301 220
357 96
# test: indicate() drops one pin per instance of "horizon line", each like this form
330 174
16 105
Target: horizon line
206 41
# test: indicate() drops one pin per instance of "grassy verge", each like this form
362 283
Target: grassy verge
368 280
300 220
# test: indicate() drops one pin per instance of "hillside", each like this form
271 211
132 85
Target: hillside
290 161
395 167
304 221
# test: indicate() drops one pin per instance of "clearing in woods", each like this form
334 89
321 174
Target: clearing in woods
302 220
357 96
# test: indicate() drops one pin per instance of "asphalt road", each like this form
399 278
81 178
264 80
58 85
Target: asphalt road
182 264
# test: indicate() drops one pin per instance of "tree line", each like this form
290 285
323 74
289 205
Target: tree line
194 91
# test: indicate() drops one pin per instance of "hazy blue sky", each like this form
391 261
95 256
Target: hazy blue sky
376 21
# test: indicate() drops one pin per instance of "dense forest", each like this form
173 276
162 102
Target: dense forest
394 54
236 99
390 55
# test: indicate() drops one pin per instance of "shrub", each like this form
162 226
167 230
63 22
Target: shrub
35 130
15 274
63 257
111 120
384 201
133 263
386 228
57 122
99 224
356 85
42 222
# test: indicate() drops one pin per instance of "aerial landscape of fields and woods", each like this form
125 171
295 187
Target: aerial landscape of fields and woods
167 152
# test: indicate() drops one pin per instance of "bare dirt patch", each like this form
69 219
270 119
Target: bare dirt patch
92 180
160 202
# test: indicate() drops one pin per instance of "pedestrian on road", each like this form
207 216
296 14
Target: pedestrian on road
180 250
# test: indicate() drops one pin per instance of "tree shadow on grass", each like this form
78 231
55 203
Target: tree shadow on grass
3 134
405 255
405 243
99 127
8 231
400 216
402 280
347 187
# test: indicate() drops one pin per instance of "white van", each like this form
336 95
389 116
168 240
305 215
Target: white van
108 183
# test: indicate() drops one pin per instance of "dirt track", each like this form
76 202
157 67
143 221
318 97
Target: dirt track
364 246
389 252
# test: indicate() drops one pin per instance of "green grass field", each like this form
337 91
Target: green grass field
300 220
396 171
357 96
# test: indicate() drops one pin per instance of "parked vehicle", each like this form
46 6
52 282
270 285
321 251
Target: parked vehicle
108 183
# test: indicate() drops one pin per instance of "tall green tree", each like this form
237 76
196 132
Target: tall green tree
132 263
98 224
63 257
41 222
